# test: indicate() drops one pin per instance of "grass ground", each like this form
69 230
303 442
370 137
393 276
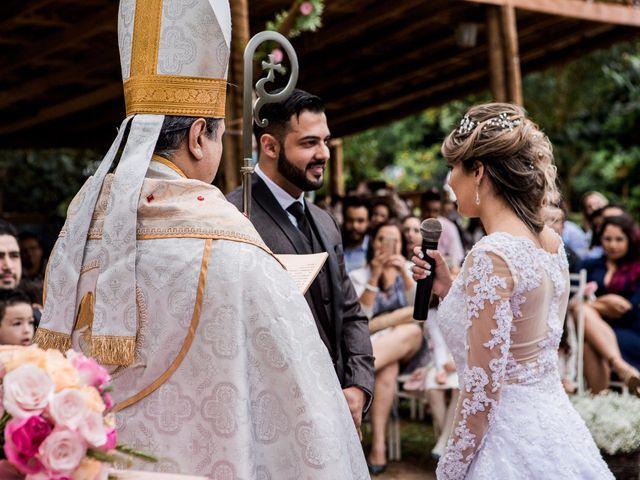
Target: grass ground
417 440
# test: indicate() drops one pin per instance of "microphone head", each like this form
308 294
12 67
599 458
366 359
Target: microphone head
430 229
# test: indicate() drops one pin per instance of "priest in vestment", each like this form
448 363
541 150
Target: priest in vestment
218 368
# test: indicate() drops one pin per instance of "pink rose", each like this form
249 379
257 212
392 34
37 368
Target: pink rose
68 408
277 55
26 391
90 372
108 401
47 476
112 439
306 8
62 451
23 437
92 429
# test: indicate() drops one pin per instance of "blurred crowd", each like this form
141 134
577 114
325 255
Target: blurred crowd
380 230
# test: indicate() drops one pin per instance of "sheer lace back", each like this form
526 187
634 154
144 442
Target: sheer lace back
503 321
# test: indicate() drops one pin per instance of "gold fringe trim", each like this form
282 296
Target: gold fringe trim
113 350
175 95
46 339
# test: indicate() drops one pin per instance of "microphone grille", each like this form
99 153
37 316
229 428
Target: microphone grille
430 229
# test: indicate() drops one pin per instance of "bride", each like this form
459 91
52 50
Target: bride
502 317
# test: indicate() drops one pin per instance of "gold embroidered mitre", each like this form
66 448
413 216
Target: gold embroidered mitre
174 56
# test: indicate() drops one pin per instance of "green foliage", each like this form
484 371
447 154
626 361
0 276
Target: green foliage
304 22
44 181
590 109
406 153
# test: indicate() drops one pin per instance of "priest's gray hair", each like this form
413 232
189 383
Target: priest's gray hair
174 131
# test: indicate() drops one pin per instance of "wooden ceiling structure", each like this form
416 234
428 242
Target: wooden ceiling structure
373 61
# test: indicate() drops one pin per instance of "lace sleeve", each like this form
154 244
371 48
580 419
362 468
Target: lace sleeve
488 286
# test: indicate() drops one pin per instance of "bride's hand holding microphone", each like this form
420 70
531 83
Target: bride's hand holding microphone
422 269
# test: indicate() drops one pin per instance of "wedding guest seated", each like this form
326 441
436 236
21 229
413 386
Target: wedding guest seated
355 239
589 203
410 234
381 212
450 243
16 318
386 291
612 320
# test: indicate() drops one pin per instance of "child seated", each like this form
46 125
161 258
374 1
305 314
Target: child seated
16 319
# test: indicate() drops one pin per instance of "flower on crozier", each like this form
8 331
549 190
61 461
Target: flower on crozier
27 390
90 373
23 438
63 374
306 8
277 55
62 451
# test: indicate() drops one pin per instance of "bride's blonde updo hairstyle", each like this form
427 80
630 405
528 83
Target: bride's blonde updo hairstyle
517 157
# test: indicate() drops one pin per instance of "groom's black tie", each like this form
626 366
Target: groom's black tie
297 211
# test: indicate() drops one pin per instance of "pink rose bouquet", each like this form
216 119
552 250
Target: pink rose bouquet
54 416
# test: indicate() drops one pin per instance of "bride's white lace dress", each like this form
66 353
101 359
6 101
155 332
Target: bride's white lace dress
502 320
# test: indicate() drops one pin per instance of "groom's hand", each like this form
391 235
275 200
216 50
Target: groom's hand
355 399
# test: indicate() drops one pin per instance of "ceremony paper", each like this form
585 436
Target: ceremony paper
303 268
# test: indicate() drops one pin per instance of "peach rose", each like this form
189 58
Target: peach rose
68 408
27 391
62 451
93 399
14 357
63 374
90 469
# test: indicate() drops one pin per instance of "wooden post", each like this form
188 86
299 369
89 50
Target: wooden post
336 168
232 141
496 55
510 31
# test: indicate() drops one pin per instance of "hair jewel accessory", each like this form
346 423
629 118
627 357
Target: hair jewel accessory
466 125
502 121
531 166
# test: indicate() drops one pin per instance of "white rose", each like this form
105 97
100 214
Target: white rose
27 391
68 408
92 429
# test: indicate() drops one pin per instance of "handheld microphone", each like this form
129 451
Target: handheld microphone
430 229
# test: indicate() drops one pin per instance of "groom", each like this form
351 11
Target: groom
293 154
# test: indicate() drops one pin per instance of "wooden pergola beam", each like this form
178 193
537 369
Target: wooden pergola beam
67 75
593 11
76 104
105 20
511 54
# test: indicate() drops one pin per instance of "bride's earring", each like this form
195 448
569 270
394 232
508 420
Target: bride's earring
477 195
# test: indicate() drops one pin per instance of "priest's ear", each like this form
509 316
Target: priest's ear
196 138
269 146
